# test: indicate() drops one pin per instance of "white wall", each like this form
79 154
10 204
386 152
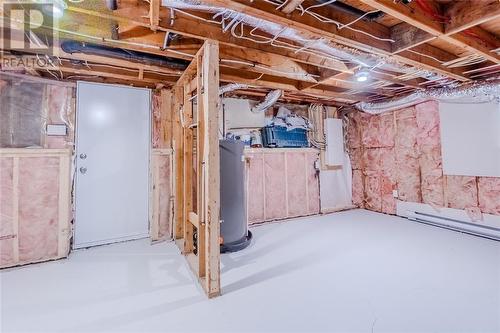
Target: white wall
470 138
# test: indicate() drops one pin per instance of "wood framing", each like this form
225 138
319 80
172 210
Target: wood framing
196 140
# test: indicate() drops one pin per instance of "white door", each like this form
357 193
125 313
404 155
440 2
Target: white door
112 164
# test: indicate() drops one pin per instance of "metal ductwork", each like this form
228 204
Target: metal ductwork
340 6
72 46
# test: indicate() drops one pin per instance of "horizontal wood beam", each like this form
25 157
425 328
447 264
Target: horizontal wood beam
315 29
418 19
465 14
407 36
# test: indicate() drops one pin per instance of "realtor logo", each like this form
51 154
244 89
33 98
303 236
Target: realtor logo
28 26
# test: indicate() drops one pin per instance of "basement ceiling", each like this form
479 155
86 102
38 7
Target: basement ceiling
313 50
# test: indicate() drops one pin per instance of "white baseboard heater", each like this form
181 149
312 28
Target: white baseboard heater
449 218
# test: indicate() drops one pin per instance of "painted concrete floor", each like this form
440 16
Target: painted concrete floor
354 271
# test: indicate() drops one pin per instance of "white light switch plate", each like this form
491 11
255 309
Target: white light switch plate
395 193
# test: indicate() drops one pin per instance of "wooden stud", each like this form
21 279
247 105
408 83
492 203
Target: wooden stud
64 206
177 143
188 172
15 208
211 106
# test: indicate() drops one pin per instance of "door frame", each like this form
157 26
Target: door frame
75 167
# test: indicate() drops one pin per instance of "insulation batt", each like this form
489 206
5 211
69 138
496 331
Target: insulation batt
156 110
281 185
489 195
165 204
38 208
401 150
6 210
60 110
461 192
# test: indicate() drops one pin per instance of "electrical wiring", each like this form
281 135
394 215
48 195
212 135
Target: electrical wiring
426 55
318 5
324 19
338 24
437 17
315 114
268 68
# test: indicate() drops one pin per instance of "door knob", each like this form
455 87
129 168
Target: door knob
83 170
83 156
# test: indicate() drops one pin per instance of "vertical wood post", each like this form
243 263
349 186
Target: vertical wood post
211 105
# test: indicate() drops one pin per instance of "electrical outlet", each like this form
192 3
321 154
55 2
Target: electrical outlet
395 193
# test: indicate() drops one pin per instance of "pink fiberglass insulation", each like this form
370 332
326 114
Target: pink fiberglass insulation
275 186
427 115
165 207
313 184
156 109
354 131
296 184
461 192
377 131
60 110
408 175
38 208
431 173
358 186
489 195
255 188
429 143
406 128
281 185
380 160
373 193
356 157
410 161
6 212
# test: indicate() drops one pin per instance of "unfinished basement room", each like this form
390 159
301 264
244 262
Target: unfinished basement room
250 166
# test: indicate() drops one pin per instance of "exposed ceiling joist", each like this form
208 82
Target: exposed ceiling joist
154 13
315 28
420 20
466 14
407 36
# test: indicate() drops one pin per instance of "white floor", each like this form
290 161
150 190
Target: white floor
352 271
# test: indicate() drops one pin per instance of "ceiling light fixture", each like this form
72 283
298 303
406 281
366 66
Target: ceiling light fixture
362 75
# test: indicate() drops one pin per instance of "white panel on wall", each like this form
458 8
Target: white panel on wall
336 188
470 138
335 142
238 114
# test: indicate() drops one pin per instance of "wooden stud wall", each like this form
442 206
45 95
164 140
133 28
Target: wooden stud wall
197 166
